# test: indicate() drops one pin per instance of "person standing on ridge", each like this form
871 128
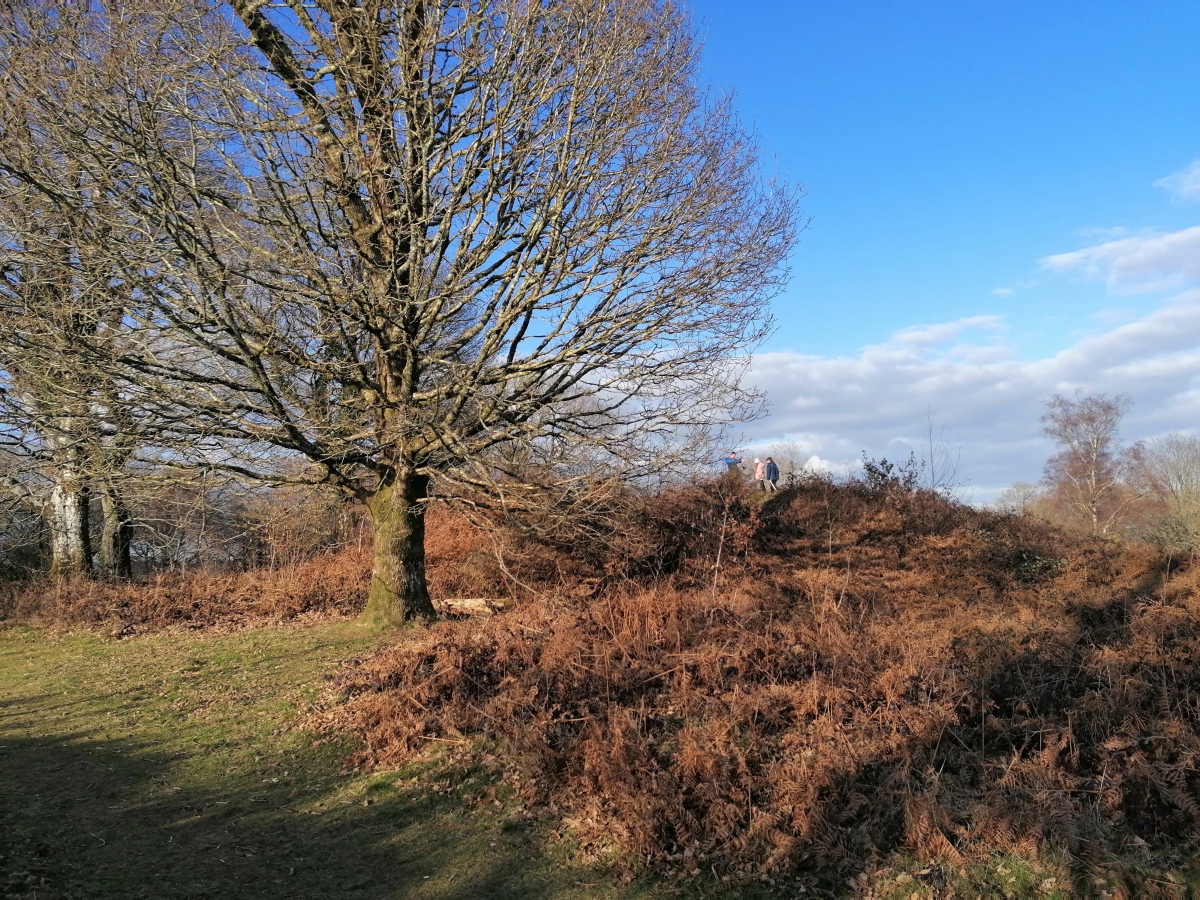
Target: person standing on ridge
733 461
760 474
772 473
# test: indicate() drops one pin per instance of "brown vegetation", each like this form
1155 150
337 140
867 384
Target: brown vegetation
870 669
327 583
885 670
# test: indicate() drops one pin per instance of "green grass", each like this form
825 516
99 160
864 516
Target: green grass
1002 876
172 766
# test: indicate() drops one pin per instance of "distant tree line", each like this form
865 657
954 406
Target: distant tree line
1098 484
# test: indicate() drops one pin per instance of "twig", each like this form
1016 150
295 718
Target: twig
720 549
662 674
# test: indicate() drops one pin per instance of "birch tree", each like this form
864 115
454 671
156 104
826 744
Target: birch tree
1090 468
381 241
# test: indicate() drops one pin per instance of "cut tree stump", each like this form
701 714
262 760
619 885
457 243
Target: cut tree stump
473 606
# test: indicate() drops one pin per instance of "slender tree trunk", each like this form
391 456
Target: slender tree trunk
398 588
116 539
70 543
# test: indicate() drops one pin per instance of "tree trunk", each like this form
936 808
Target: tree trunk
70 543
116 539
398 588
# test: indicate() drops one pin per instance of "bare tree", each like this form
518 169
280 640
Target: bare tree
391 238
1089 469
1018 498
62 290
1169 471
44 402
792 459
23 528
939 458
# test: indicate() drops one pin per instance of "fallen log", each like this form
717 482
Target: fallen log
472 606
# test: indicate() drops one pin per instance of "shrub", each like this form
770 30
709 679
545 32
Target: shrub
980 685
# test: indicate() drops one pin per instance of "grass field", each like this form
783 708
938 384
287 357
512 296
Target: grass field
172 766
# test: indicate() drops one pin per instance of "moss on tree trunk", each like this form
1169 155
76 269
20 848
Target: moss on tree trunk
399 591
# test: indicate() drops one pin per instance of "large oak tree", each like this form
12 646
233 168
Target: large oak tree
380 242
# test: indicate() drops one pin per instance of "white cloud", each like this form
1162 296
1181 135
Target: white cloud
1019 287
1137 265
1113 316
816 464
1184 184
922 335
1099 235
988 399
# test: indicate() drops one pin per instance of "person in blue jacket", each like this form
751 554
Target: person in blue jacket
772 475
733 461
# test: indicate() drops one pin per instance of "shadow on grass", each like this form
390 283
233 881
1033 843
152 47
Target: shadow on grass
91 816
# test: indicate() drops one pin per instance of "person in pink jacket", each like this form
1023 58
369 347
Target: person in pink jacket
760 474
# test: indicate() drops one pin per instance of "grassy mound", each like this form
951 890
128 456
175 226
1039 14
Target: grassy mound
872 672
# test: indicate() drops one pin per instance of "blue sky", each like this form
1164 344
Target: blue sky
1001 196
